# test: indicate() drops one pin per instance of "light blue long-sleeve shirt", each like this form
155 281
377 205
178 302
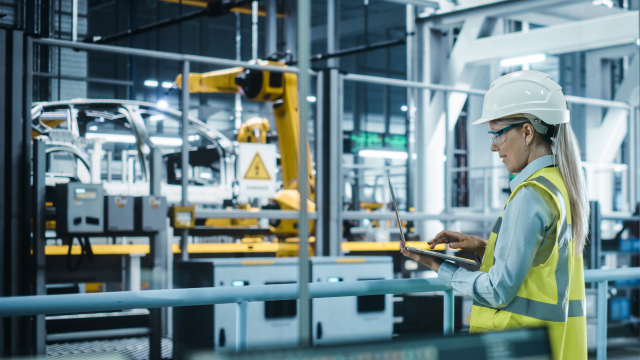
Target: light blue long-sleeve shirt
526 238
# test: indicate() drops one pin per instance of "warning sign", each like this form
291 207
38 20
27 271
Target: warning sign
257 170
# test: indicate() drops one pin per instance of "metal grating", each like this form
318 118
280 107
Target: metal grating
132 348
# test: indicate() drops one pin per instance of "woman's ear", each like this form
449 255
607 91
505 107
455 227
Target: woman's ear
528 132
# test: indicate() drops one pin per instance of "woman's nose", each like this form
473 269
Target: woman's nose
494 147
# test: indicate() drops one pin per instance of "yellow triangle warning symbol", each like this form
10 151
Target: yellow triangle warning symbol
257 170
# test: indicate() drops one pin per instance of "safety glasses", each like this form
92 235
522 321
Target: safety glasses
500 136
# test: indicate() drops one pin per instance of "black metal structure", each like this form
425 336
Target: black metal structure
16 272
214 9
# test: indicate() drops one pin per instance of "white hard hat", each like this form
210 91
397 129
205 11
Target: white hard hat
525 92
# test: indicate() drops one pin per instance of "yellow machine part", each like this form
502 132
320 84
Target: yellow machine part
254 131
48 123
234 223
262 11
290 200
288 126
221 81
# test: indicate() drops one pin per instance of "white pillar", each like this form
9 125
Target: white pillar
134 271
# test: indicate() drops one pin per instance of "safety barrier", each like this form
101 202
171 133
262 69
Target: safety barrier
602 277
60 304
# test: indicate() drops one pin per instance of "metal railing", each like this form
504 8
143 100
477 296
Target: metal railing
602 277
60 304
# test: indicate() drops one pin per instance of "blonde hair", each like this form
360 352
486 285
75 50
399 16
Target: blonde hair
564 145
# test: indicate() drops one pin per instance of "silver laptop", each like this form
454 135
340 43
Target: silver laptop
421 251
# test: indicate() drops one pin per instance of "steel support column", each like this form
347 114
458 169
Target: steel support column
304 80
601 333
272 27
331 156
184 233
39 241
158 251
15 203
594 235
411 104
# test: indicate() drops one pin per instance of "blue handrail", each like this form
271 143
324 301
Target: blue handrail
73 303
60 304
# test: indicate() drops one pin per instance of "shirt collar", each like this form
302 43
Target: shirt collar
537 164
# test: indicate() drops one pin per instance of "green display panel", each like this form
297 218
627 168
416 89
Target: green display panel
356 141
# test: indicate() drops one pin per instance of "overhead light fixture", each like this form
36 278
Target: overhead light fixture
162 104
193 137
523 60
150 83
92 128
120 138
167 84
404 108
387 154
311 98
155 118
166 141
607 3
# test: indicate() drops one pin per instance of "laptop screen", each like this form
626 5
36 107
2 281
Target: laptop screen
395 207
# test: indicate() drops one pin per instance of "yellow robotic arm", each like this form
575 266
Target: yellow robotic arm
281 89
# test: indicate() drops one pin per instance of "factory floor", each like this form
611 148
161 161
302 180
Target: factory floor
138 349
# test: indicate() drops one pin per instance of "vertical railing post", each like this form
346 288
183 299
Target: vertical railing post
184 233
448 312
601 333
241 326
304 52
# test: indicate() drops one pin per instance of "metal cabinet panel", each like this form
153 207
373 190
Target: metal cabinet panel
271 324
354 318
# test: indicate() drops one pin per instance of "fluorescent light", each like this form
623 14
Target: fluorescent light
607 3
238 283
167 84
404 108
166 141
311 98
388 154
129 139
523 60
92 128
206 176
193 137
334 279
162 104
151 83
155 118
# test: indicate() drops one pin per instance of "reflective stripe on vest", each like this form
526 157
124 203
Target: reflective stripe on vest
542 310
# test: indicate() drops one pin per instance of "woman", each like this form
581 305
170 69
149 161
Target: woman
531 272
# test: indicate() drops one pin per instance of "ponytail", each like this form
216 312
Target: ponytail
565 146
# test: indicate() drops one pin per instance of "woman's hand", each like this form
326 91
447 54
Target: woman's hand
459 241
431 262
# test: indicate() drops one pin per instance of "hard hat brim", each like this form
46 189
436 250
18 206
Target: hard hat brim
551 117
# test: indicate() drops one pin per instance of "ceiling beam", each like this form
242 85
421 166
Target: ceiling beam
492 8
575 36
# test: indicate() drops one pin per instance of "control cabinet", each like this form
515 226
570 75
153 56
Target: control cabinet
271 324
150 213
354 318
79 208
118 212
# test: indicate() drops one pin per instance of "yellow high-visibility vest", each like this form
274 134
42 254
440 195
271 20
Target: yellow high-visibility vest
552 294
